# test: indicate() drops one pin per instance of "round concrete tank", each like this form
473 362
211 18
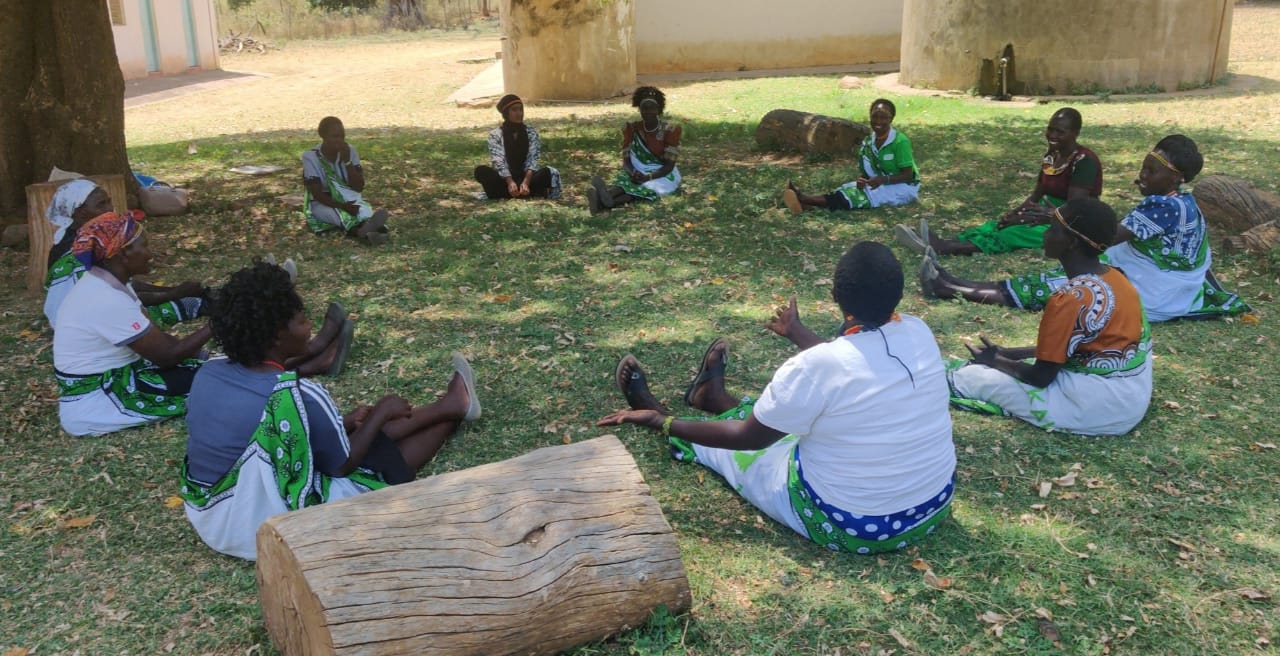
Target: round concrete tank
1062 48
568 49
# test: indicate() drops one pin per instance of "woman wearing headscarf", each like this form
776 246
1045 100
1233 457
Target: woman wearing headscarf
73 204
115 368
649 150
514 150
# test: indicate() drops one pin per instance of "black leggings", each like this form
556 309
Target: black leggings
495 186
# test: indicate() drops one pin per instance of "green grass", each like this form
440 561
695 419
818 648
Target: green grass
1149 553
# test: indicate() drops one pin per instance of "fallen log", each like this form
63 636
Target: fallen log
1233 205
532 555
791 130
1259 239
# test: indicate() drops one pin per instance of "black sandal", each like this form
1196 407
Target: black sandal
635 388
706 373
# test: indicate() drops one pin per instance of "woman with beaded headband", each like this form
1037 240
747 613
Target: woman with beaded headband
1068 170
1090 369
1162 246
850 443
887 175
650 148
514 150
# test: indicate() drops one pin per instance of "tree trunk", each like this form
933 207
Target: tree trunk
1234 205
63 103
533 555
405 15
1259 240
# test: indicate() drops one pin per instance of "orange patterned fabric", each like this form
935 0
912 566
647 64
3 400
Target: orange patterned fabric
104 237
1091 321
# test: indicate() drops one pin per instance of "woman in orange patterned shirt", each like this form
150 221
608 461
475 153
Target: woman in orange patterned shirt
1092 359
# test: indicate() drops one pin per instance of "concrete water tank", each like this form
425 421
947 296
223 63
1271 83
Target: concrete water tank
568 49
1077 47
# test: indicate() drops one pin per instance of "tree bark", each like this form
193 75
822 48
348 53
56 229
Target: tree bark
63 103
533 555
1235 205
792 130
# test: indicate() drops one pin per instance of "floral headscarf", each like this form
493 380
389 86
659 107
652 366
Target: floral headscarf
104 237
66 200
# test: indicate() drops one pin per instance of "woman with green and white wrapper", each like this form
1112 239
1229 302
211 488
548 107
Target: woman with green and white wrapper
262 440
887 176
649 150
334 183
850 443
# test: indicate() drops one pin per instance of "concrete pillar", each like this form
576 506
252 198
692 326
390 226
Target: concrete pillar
1063 48
568 49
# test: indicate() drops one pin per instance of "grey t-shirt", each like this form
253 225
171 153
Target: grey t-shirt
225 407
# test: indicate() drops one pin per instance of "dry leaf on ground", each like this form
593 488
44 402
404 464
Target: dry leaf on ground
80 522
173 502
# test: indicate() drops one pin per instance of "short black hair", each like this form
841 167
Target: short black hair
250 311
1183 154
1074 120
1093 219
326 123
646 93
888 104
868 283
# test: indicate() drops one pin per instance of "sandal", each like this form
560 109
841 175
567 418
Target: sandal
909 238
928 273
468 374
344 347
602 192
792 200
707 372
635 388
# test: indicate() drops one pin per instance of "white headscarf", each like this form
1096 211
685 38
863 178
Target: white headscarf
66 200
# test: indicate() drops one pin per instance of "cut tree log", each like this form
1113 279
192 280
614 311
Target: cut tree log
1234 205
40 231
533 555
791 130
1259 239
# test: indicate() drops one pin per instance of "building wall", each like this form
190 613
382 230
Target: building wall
171 37
1110 44
730 35
576 50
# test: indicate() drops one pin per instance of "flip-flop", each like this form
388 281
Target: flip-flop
344 347
602 192
908 237
928 273
593 201
924 231
635 389
792 200
706 373
464 369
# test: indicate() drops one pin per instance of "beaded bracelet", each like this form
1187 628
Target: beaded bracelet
666 426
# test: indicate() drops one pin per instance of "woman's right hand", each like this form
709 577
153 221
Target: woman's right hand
638 177
392 406
513 189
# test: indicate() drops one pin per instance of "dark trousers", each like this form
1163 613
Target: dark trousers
495 186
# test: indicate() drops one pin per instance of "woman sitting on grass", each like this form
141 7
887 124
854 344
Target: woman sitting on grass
115 368
262 440
850 444
72 205
1092 368
887 177
1068 170
1162 247
649 150
334 182
514 149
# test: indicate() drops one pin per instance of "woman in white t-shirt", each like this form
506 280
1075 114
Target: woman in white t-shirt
850 443
115 369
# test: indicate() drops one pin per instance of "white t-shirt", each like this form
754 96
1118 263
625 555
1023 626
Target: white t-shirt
872 440
97 321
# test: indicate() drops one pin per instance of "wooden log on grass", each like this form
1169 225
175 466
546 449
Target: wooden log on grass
1234 205
791 130
1259 240
533 555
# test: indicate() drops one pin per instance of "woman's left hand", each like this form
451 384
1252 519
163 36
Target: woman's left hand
638 177
985 355
647 418
524 189
874 183
189 289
